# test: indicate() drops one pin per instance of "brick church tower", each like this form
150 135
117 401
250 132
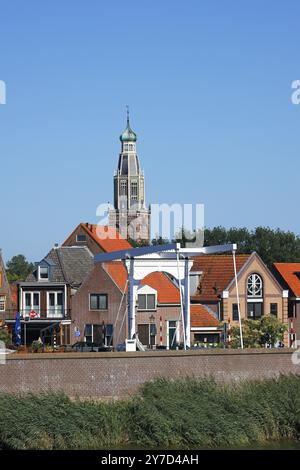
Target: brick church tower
130 214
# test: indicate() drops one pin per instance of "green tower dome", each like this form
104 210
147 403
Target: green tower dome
128 135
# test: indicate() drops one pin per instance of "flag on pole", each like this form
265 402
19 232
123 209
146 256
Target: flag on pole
18 329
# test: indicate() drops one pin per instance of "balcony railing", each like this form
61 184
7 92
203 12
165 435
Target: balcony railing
37 314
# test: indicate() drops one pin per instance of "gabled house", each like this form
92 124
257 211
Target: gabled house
6 305
96 310
98 238
213 286
45 297
99 309
288 275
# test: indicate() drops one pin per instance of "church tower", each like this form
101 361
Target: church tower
130 215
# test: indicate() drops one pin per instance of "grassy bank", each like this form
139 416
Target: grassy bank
186 413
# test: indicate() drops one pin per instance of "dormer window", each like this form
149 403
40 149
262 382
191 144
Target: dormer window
43 273
146 302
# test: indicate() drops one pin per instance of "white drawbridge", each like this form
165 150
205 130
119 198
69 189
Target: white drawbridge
171 259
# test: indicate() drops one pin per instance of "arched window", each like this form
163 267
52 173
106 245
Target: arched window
254 286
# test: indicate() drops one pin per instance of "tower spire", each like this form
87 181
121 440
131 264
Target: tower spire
127 112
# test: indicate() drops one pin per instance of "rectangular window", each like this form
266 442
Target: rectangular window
109 335
2 303
274 309
255 310
55 304
100 334
31 302
150 301
98 301
235 312
88 333
146 302
123 188
134 191
81 238
172 334
44 273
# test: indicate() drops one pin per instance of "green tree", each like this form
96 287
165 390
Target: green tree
271 330
251 334
271 245
138 243
159 240
5 336
256 333
18 268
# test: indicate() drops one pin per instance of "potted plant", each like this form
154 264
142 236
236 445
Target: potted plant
36 346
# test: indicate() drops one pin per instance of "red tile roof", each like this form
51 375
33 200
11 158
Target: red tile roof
287 272
201 317
217 273
167 292
107 238
118 272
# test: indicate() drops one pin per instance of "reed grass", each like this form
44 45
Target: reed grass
186 413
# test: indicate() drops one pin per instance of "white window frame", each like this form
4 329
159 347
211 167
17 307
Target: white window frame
58 310
32 307
80 235
39 274
147 309
146 290
177 332
4 302
253 286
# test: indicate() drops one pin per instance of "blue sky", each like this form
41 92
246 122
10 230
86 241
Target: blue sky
209 88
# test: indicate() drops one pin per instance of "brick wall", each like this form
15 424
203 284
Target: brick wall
116 375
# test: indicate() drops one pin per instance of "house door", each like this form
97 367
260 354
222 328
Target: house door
144 334
172 327
99 332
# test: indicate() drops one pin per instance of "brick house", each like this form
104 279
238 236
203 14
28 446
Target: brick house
45 296
96 305
288 275
100 305
213 286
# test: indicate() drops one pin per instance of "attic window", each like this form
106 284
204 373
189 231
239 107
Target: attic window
146 302
297 273
81 238
43 273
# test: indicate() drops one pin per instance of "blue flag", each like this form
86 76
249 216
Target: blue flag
18 329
